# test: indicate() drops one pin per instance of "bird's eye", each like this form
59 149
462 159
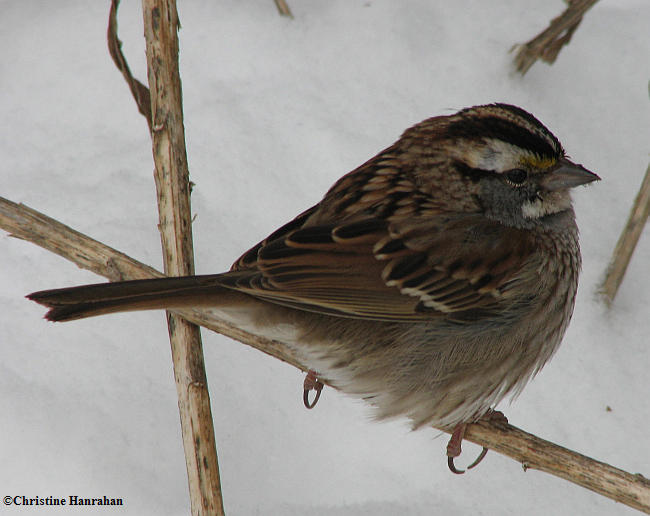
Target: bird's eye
516 177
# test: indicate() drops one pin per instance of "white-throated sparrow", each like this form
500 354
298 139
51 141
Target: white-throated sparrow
432 281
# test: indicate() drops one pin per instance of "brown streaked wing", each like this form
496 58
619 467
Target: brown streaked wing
429 267
326 269
455 262
249 258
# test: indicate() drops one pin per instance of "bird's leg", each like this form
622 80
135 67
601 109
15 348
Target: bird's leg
311 383
454 445
496 417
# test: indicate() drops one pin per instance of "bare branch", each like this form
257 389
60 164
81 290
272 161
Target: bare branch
535 453
164 116
283 8
547 45
139 91
627 241
27 224
529 450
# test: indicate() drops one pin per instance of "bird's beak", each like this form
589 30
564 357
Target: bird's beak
567 175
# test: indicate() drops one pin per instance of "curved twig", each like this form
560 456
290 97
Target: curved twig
547 45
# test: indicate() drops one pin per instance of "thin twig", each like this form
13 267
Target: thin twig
164 116
627 241
532 452
139 91
547 45
283 8
173 188
535 453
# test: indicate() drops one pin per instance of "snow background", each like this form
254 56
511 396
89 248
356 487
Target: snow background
276 110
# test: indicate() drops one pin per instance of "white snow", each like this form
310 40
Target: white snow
276 110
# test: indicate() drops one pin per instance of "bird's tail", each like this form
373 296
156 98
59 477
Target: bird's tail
67 304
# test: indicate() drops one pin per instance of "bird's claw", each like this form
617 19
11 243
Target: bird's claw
454 449
311 383
452 466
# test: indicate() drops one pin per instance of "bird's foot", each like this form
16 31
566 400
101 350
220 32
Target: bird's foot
311 384
454 446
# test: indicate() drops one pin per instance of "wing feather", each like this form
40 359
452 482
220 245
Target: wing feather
424 267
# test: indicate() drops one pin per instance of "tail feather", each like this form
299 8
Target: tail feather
67 304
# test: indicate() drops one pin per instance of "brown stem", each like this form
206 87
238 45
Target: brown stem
547 45
161 105
535 453
139 91
283 8
529 450
627 241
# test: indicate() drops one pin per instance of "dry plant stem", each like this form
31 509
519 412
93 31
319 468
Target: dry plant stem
283 8
531 451
547 45
163 112
627 241
173 189
139 91
27 224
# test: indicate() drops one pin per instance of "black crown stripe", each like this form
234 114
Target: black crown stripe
493 127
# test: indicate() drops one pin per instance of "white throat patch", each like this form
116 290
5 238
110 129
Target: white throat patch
549 203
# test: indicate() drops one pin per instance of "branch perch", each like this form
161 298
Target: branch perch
531 451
